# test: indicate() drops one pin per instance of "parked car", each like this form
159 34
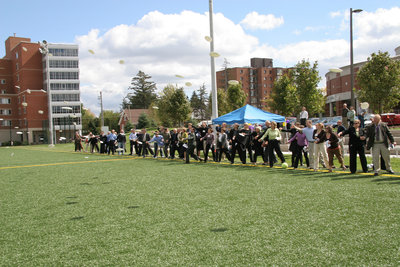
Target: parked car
314 120
333 121
391 118
368 118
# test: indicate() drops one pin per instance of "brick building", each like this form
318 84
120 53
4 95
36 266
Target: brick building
257 80
24 88
338 89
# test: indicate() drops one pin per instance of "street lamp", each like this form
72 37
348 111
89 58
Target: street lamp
351 55
44 50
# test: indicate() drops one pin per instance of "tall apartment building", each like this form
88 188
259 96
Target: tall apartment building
257 80
32 84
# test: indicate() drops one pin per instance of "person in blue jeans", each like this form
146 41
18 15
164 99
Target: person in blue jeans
158 141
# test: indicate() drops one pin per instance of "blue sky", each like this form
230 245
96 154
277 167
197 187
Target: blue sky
165 41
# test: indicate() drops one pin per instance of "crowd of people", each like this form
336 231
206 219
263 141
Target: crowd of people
310 145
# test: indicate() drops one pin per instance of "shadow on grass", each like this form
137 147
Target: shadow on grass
71 203
218 230
106 183
77 218
72 197
133 207
386 179
85 184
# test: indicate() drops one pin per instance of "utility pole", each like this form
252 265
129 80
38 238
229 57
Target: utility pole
226 63
101 108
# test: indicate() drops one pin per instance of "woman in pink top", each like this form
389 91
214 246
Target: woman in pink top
302 144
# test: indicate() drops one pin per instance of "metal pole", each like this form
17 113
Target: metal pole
351 60
51 132
101 109
213 78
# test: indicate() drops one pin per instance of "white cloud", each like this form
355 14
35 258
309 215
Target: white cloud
163 45
256 21
335 14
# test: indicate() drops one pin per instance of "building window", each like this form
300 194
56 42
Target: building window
3 92
5 123
23 98
241 71
64 86
265 85
64 52
5 100
265 78
3 81
265 72
5 111
17 66
270 78
64 75
59 109
64 97
24 110
16 55
270 72
17 77
271 85
64 64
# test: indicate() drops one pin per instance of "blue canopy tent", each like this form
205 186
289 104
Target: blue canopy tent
248 114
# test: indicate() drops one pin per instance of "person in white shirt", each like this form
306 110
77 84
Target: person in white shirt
303 116
133 141
309 132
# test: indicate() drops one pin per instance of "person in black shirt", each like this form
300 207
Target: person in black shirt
256 145
233 140
103 143
244 140
200 140
356 145
173 143
93 142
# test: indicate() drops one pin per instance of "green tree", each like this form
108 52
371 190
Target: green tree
111 119
173 106
88 120
379 80
143 92
306 79
199 102
236 97
283 98
128 126
143 121
222 102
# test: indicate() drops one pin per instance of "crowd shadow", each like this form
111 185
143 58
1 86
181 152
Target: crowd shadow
218 230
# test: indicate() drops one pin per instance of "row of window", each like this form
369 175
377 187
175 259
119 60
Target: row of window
66 121
64 97
64 86
62 76
3 81
64 63
60 110
64 52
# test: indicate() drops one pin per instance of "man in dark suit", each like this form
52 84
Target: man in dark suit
379 136
233 140
173 143
144 139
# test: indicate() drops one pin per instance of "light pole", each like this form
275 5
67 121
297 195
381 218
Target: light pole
351 56
214 94
44 50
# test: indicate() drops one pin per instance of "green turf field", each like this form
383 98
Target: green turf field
63 208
